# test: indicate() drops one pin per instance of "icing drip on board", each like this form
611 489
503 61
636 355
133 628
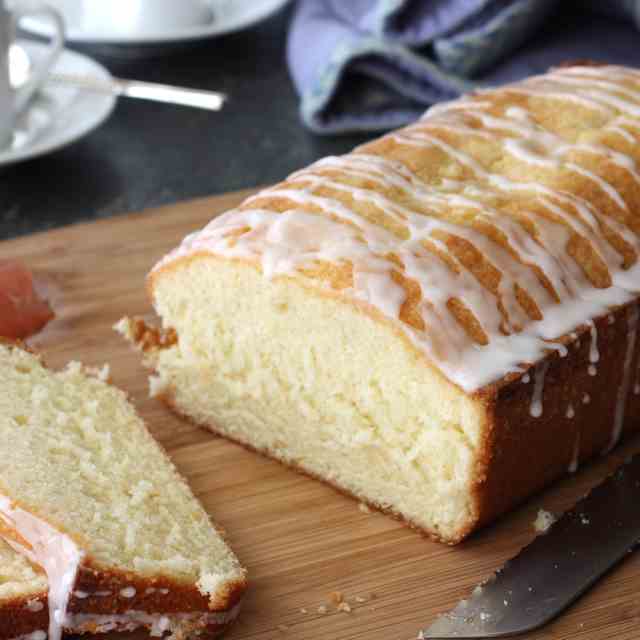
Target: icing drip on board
320 219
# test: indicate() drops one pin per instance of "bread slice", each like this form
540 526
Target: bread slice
90 496
23 597
440 322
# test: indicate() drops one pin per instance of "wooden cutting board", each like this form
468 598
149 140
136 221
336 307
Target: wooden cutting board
299 539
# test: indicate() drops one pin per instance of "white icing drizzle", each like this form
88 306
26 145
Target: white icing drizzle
54 551
537 408
128 592
622 132
586 398
318 227
526 378
570 411
623 389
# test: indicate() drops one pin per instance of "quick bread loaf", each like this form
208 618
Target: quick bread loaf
440 322
88 495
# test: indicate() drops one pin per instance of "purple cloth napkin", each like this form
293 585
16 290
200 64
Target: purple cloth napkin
377 64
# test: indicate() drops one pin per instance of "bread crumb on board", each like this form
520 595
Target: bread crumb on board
543 521
364 508
338 599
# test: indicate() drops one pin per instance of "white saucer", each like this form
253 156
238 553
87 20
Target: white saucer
228 16
58 115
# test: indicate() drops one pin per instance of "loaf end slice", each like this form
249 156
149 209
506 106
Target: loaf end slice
91 497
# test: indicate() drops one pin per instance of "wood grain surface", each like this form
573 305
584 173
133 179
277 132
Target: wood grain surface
299 539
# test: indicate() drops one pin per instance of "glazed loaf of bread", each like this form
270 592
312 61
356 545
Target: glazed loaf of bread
440 322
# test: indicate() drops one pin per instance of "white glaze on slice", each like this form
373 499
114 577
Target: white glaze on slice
54 551
540 374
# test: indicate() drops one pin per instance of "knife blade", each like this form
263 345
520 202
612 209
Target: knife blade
557 567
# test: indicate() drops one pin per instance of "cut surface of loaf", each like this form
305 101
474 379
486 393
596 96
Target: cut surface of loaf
91 497
427 321
23 597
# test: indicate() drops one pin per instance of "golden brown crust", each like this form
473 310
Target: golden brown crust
521 453
102 595
148 338
153 595
19 618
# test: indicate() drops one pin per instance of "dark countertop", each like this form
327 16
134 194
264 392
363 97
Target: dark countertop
149 154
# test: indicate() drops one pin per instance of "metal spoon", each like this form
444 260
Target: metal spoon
20 68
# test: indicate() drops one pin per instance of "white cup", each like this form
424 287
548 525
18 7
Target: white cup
13 102
142 18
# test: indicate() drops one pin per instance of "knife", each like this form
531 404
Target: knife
556 568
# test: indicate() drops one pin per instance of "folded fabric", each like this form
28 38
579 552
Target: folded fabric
377 64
